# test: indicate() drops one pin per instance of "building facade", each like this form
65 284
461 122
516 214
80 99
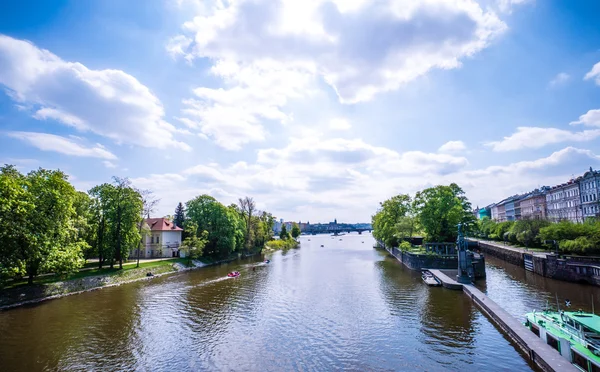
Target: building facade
563 202
501 211
533 206
589 190
163 240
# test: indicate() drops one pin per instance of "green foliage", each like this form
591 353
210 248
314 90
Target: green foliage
405 246
179 218
39 227
574 237
440 209
222 224
284 235
194 244
282 244
295 230
389 215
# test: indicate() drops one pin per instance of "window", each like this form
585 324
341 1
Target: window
156 239
580 361
552 341
151 240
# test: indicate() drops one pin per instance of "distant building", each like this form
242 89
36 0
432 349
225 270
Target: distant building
589 190
494 212
485 212
163 240
501 211
533 205
563 202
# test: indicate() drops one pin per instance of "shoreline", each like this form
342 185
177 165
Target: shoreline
100 286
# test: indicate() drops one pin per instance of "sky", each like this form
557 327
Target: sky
318 109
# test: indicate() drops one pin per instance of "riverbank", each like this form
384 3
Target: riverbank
86 282
278 244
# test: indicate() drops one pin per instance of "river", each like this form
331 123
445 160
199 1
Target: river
341 306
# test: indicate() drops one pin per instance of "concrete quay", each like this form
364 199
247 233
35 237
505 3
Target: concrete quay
538 351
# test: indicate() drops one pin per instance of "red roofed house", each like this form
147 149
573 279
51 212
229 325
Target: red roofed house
163 240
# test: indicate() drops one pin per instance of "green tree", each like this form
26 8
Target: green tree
284 235
247 207
179 218
440 209
295 230
16 205
100 206
405 227
221 223
388 216
50 242
126 209
194 244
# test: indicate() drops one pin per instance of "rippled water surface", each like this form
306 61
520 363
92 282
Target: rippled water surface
341 306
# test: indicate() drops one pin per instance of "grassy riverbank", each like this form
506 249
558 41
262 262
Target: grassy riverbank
53 286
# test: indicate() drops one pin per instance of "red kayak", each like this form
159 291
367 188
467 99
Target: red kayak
233 274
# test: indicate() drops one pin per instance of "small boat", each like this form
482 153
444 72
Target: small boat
429 279
322 245
233 274
573 334
267 261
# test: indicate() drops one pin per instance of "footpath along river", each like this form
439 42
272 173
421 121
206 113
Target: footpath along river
341 306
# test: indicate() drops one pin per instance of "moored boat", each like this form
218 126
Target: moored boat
233 274
574 334
430 279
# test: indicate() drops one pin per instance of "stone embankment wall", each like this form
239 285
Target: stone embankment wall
424 261
566 268
508 255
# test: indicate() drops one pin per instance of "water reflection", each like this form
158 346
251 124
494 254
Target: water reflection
520 291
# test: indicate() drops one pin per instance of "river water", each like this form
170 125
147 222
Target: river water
343 306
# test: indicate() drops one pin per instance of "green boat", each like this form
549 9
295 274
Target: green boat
574 334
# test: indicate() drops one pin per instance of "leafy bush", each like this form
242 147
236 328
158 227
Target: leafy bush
405 246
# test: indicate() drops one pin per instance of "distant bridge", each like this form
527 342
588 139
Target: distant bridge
335 229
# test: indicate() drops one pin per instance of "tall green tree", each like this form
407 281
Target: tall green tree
194 244
440 209
50 240
247 208
16 205
388 216
179 218
295 230
100 208
284 235
125 211
221 223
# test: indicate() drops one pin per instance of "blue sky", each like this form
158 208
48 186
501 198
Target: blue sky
318 109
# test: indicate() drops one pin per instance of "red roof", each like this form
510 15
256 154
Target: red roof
162 224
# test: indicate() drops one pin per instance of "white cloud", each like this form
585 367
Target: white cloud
339 124
535 138
360 48
234 115
590 118
594 73
110 103
506 6
109 164
453 146
560 79
51 142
